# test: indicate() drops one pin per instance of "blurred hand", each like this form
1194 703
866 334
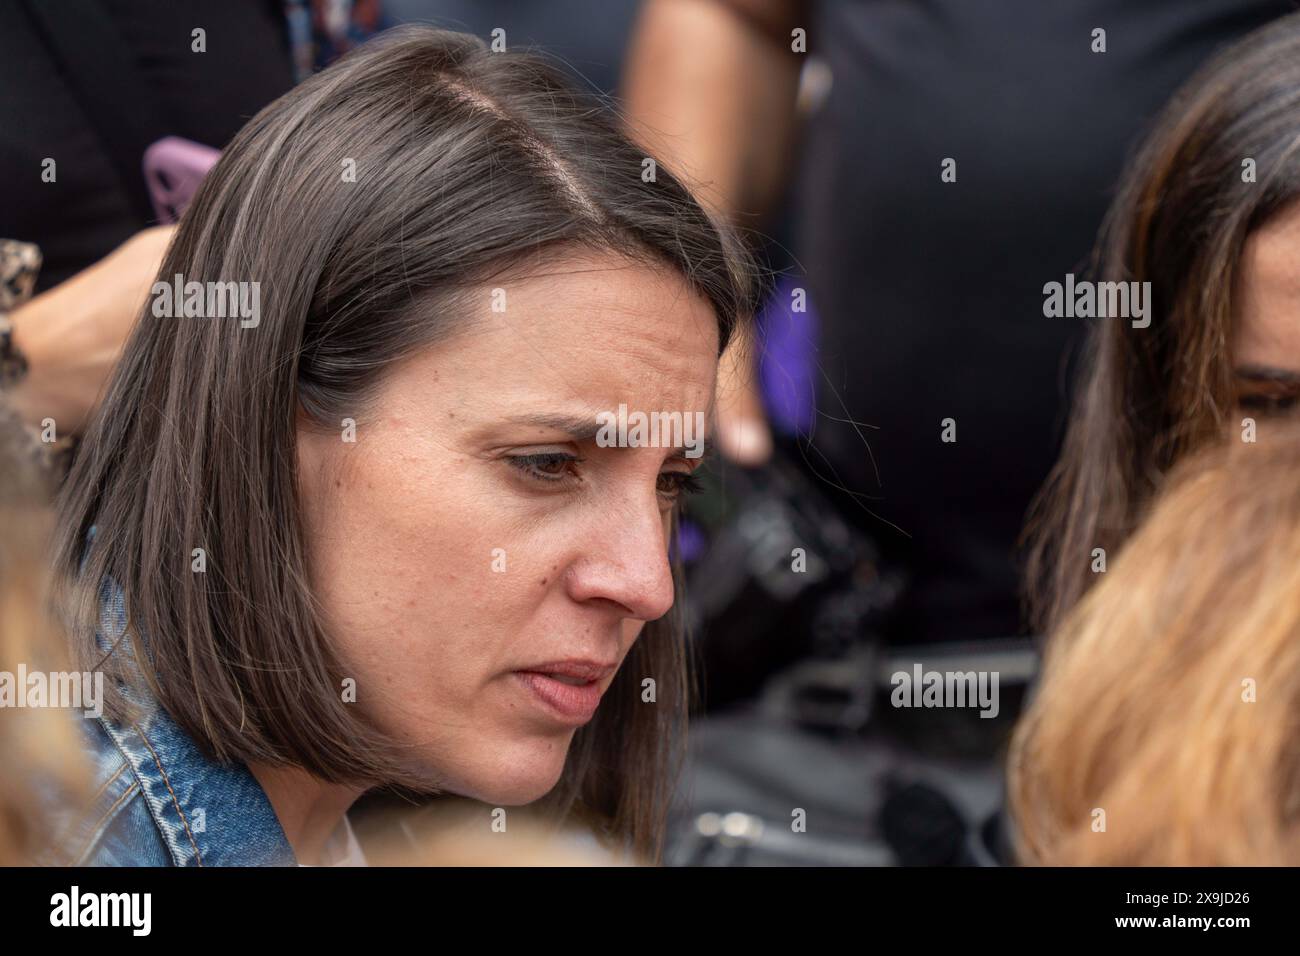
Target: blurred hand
743 433
72 334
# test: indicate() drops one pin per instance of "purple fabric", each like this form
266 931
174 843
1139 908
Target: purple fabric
789 359
690 543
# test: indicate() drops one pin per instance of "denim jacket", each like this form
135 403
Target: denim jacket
158 800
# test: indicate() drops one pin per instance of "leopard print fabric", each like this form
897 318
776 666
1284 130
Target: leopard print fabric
20 262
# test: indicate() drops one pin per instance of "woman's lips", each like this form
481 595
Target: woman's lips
573 704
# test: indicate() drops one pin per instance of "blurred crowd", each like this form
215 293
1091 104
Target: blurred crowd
922 467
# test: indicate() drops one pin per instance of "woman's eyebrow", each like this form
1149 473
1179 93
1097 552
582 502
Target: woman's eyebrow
1269 374
580 428
585 429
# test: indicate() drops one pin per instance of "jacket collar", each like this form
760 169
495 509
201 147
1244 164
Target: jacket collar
207 813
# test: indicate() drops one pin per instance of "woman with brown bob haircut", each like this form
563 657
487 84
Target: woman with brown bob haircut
366 532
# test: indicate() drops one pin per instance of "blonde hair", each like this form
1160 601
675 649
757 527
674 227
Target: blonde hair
1170 697
453 831
39 749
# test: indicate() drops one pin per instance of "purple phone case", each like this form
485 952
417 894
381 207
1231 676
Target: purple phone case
173 169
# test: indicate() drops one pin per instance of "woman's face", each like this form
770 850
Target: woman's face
1266 345
474 535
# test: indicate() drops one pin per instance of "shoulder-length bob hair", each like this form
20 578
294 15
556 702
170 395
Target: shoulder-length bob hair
1181 219
364 201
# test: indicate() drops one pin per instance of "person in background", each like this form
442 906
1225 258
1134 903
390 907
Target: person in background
85 87
1163 732
962 158
1208 216
39 746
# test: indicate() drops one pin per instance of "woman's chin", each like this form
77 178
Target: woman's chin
515 776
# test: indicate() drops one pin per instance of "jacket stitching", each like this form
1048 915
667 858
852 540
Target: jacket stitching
130 755
176 803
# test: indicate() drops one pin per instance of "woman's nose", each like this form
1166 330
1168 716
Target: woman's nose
626 561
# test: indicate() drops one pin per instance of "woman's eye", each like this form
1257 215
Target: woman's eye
559 467
545 466
1267 404
674 484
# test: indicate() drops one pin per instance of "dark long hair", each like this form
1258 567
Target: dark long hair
1180 221
466 164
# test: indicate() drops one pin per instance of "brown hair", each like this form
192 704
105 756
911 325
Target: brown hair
1170 698
467 164
1180 221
